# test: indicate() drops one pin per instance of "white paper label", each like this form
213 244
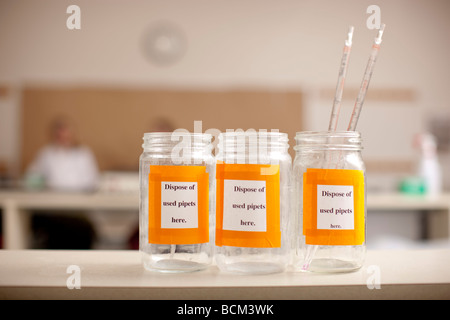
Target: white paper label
179 205
244 205
335 207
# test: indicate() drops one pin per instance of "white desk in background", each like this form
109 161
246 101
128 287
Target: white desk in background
16 206
434 210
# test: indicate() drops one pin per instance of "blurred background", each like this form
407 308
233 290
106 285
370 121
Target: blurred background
138 66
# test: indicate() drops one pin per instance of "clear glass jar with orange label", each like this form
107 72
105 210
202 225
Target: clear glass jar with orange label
330 201
177 183
253 175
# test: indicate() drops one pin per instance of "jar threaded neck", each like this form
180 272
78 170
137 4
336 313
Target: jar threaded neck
328 140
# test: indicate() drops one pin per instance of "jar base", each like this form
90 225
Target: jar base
332 265
174 266
252 268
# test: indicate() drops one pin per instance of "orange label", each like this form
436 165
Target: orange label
248 205
178 205
333 207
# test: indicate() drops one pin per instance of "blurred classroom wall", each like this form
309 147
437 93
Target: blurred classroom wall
227 45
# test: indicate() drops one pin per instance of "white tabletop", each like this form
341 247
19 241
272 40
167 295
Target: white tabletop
70 200
399 201
42 274
111 200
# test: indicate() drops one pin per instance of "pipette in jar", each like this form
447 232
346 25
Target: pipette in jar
311 249
366 79
341 80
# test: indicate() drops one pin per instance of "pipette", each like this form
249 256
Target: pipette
311 250
365 82
341 80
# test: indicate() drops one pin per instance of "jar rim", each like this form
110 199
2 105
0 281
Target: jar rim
332 140
233 133
339 133
280 136
166 134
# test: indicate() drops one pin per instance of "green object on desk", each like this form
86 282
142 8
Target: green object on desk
34 182
413 185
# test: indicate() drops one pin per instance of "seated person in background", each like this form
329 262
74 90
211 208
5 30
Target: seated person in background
63 165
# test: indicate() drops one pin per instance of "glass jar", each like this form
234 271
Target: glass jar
177 187
253 175
330 197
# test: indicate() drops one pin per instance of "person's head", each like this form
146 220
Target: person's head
162 125
62 132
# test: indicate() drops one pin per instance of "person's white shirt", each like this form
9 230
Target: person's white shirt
66 169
